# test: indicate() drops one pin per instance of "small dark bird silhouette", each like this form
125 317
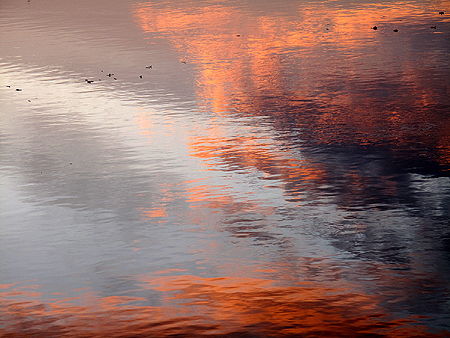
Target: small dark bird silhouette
140 76
441 13
183 62
110 74
149 67
395 30
433 27
374 28
18 90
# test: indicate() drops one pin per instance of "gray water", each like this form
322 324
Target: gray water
224 169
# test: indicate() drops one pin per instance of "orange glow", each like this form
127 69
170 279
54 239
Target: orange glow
219 199
145 124
156 212
197 307
249 152
239 53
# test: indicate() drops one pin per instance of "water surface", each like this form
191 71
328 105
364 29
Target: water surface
224 169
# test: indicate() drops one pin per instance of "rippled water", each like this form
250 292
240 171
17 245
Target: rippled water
224 169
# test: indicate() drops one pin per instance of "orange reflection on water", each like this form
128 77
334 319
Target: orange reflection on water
248 152
155 212
203 201
191 306
240 54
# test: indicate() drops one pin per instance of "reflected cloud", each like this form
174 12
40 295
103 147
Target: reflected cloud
210 307
332 77
326 85
311 99
307 121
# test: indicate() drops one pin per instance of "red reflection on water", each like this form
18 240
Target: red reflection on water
205 307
